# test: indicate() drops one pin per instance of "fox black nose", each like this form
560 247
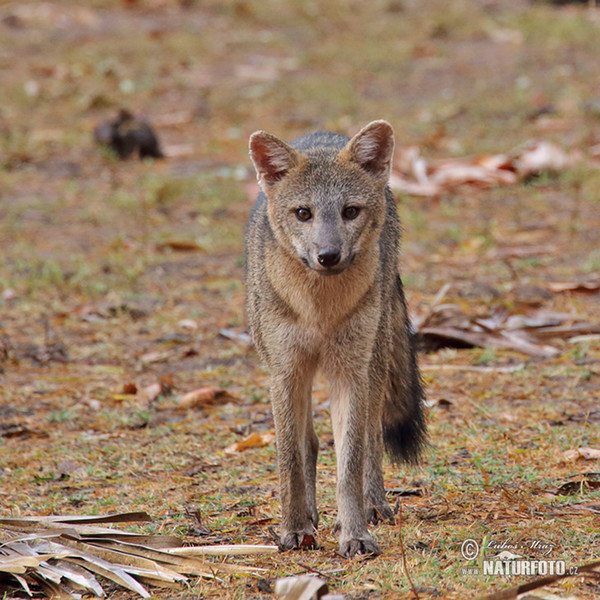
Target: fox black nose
328 258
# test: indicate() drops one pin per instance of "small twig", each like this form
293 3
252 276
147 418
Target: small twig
513 272
307 569
475 369
222 550
412 585
421 321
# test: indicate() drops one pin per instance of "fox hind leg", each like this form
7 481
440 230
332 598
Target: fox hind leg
376 505
310 465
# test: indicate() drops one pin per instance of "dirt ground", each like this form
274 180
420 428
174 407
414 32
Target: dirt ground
116 276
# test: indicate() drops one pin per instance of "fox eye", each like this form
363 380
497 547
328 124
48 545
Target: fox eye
350 212
303 214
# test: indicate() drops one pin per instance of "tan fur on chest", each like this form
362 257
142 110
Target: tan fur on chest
315 300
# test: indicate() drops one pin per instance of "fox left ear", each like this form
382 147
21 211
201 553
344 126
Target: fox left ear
272 158
372 148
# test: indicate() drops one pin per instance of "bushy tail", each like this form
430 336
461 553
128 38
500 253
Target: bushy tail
404 426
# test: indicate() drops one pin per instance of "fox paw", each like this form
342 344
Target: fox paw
293 540
353 546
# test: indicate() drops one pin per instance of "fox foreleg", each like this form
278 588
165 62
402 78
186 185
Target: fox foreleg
296 456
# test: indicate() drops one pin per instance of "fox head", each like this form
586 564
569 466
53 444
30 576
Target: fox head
326 204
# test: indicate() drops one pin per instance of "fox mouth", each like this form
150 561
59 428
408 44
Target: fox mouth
328 271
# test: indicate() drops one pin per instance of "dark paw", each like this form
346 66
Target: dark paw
353 546
380 513
314 517
293 540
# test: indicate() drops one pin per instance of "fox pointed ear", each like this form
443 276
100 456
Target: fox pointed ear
272 157
372 148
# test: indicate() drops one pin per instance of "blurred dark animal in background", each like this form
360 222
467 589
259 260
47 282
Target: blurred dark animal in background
126 134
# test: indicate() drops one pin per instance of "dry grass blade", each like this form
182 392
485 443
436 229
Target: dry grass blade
513 592
403 552
224 550
475 369
152 541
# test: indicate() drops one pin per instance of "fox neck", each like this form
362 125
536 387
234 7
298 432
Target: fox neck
316 300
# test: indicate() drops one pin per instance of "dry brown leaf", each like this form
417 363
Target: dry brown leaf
156 357
579 484
150 392
456 173
460 337
441 402
588 285
256 440
206 396
230 334
581 454
180 117
19 430
129 388
412 188
447 325
418 176
179 246
300 587
553 124
178 151
539 156
591 506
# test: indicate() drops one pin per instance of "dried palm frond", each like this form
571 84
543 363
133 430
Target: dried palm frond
62 555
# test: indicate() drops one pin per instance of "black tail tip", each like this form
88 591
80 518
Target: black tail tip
405 440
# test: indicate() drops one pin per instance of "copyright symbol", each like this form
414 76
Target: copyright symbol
469 549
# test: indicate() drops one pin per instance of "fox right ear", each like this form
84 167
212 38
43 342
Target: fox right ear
272 158
372 149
